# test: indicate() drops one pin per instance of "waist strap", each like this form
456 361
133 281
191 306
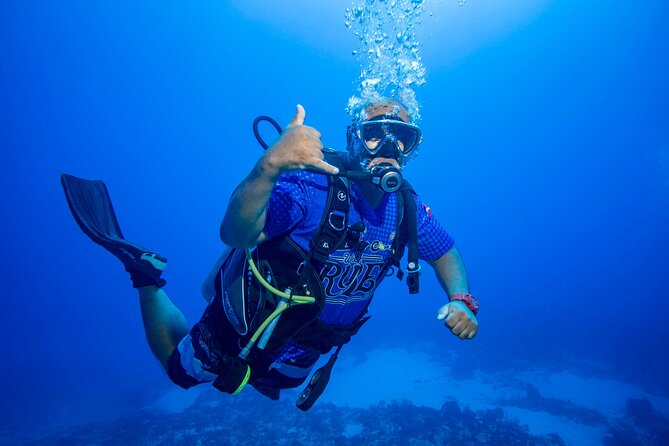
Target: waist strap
322 337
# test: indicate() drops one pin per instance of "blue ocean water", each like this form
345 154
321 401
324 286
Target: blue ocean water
545 155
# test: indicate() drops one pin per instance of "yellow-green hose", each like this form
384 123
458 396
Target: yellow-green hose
292 300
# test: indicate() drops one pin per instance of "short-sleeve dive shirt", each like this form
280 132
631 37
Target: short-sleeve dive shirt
350 276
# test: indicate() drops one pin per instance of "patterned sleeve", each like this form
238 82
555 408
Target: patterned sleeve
433 240
287 205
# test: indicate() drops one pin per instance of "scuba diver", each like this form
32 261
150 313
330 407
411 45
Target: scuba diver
311 234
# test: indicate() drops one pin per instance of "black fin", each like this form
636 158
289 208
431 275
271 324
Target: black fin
92 209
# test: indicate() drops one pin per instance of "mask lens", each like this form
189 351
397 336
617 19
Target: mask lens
409 137
372 135
373 132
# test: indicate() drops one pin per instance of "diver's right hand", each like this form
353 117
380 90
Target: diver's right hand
298 147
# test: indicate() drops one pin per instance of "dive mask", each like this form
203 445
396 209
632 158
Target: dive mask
376 134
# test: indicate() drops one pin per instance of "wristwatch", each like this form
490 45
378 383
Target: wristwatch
468 299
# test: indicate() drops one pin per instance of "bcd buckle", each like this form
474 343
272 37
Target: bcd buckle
337 220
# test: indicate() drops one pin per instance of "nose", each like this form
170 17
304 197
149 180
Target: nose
372 143
391 147
388 144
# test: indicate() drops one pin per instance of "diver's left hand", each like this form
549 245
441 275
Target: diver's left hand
459 319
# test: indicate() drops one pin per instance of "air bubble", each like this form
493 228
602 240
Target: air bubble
393 66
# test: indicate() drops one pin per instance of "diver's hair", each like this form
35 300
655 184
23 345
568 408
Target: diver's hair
358 110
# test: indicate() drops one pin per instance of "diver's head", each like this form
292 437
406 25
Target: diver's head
382 133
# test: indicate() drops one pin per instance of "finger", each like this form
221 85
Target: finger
459 328
443 312
452 319
464 334
298 119
471 330
322 165
313 132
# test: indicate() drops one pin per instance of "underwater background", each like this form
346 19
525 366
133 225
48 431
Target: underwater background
545 155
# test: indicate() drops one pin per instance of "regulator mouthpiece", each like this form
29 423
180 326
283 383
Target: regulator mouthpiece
386 177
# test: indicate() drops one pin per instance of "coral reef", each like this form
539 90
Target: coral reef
642 425
251 420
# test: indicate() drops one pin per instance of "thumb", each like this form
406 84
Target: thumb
443 312
298 119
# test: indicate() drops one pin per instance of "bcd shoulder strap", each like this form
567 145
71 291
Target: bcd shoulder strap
407 235
332 230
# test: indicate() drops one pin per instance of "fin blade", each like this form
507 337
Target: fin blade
91 207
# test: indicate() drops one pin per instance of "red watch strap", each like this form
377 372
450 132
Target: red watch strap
468 299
